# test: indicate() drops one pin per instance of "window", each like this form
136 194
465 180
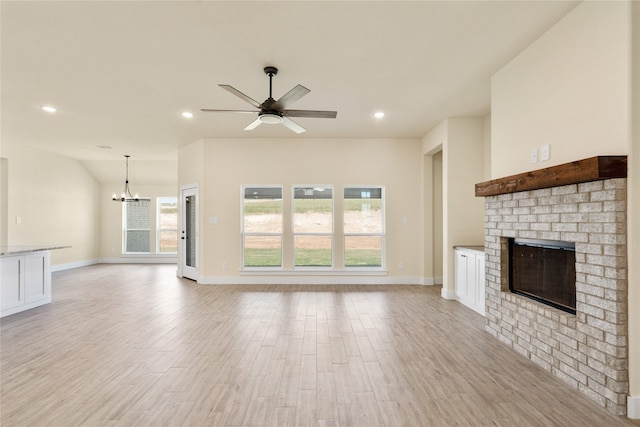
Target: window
313 226
363 227
137 226
262 226
167 225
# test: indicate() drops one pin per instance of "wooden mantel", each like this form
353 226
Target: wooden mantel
591 169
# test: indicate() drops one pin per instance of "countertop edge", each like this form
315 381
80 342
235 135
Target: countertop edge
26 249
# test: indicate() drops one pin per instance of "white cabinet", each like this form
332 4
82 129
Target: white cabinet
469 277
25 282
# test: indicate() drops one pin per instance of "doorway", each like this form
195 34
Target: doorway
189 233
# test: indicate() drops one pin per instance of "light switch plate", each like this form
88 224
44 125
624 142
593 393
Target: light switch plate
534 155
544 152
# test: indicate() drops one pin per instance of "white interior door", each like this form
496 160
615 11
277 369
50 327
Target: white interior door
189 232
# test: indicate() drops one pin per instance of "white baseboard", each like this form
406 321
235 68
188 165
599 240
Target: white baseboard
77 264
437 280
633 407
448 294
309 280
127 260
140 260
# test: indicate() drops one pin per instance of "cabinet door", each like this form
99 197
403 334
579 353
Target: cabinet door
37 285
480 297
12 286
471 279
461 275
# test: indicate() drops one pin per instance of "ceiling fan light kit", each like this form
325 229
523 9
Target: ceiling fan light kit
275 112
270 119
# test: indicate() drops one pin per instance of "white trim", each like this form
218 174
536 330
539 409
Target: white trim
192 273
633 407
140 260
315 271
317 279
431 281
72 265
448 294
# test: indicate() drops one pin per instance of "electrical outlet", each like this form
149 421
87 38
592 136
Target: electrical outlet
545 152
534 155
401 265
225 265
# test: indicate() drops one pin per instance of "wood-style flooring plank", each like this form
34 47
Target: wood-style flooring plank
132 345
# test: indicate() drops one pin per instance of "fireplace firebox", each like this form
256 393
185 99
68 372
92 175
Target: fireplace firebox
544 270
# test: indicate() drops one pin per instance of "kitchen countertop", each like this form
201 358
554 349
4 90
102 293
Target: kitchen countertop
26 249
471 248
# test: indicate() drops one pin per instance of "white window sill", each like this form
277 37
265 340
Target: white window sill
314 271
149 255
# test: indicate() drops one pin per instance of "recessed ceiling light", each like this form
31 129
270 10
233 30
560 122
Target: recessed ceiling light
49 108
379 115
187 115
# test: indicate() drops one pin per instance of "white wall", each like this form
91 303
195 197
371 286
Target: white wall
569 89
634 223
4 200
436 218
572 89
56 201
486 138
461 142
230 163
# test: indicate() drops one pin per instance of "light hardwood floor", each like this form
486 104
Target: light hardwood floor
132 345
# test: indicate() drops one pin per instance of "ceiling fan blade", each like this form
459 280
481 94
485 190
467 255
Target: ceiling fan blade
310 113
210 110
292 125
254 124
292 96
241 95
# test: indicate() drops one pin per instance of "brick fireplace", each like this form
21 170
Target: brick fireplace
587 350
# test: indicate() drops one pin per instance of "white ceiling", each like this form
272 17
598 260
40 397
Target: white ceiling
121 73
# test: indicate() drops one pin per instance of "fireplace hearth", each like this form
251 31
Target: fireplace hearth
545 271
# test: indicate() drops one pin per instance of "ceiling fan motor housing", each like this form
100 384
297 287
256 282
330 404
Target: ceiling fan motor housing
270 71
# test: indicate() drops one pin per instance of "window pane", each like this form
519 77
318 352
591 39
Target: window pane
168 241
138 215
363 210
262 210
262 251
313 210
167 224
363 251
363 216
312 251
137 226
138 241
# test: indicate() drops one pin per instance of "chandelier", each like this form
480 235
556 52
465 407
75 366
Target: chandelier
126 193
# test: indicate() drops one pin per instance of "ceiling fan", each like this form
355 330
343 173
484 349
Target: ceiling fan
272 111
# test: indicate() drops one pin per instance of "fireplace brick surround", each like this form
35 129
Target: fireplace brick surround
587 350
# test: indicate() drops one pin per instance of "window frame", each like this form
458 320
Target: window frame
295 234
159 202
125 227
244 234
381 234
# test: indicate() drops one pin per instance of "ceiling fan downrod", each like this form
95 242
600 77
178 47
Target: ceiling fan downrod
270 71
